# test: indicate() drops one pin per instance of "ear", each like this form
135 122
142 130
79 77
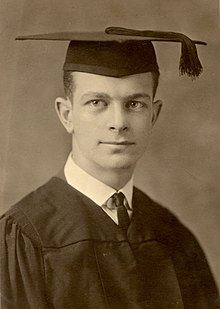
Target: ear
64 111
157 105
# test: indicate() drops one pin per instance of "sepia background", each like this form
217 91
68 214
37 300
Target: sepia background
181 169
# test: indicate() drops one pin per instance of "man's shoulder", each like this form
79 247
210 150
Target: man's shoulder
166 224
35 200
149 206
39 209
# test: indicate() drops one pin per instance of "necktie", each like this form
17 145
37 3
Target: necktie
123 217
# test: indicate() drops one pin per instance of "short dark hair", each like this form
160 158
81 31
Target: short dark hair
69 86
155 76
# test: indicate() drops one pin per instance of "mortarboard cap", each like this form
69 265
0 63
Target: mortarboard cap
119 52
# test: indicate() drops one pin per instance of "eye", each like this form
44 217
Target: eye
135 105
97 103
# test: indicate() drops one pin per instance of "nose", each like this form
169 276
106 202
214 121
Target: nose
118 121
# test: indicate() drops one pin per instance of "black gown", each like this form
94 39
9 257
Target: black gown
61 250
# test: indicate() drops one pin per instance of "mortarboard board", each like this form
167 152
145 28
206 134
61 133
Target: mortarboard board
119 51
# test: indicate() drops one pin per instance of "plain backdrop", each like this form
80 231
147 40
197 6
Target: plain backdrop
181 169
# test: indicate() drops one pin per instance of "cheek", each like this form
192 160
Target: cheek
87 122
86 131
142 125
81 122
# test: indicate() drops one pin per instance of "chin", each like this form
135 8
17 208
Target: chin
121 163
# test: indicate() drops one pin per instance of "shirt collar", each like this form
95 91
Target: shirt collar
94 189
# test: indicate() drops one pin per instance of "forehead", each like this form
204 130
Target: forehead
93 82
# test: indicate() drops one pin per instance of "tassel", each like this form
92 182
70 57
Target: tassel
189 60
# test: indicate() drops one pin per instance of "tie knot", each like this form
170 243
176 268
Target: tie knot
119 199
118 202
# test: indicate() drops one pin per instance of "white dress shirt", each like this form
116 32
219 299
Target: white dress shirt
94 189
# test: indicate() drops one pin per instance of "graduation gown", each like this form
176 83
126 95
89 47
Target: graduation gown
61 250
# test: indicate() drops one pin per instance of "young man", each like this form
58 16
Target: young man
88 238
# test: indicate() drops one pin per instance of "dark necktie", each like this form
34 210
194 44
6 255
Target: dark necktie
122 213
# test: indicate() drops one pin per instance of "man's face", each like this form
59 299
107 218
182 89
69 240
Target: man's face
112 120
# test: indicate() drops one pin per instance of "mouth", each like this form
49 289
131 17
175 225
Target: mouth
120 143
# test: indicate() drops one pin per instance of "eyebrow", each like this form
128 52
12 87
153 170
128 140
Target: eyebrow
101 95
138 95
104 95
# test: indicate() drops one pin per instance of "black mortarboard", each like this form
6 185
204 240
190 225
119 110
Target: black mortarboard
119 51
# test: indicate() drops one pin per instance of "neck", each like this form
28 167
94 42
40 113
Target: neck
114 178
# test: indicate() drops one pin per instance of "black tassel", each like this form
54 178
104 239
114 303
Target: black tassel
189 60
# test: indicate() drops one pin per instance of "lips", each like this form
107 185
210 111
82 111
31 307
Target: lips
119 143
